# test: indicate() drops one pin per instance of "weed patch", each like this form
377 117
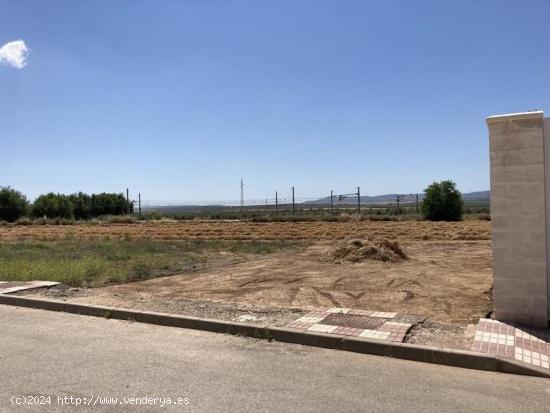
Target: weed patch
96 262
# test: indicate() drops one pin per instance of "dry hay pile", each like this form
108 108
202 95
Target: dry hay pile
359 251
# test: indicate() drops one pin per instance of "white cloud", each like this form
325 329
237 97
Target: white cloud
14 54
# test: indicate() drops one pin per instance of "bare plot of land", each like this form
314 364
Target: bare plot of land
448 281
446 277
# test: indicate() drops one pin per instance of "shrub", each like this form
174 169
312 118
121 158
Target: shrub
442 202
156 215
122 219
23 221
13 204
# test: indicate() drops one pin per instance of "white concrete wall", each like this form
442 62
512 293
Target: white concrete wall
547 187
518 211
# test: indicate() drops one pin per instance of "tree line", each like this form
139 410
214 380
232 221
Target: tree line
14 205
442 202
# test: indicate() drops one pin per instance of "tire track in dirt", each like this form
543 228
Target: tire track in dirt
394 283
335 283
355 296
328 296
256 281
408 295
295 280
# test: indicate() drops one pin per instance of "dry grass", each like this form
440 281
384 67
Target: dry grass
235 230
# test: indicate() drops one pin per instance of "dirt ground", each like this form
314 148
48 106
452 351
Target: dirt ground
399 230
447 281
445 335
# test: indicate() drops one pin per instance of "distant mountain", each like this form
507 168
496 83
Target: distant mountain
480 196
477 196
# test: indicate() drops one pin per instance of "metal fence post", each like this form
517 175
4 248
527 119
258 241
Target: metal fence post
293 208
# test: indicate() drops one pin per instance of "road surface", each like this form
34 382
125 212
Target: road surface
69 359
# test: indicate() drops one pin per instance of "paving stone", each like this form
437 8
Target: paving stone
7 287
337 310
379 325
353 320
322 328
513 341
380 335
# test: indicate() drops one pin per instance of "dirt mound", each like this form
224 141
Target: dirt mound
359 251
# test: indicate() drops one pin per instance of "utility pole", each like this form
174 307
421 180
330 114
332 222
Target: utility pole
358 200
276 202
293 209
127 202
399 199
417 209
242 195
139 203
331 202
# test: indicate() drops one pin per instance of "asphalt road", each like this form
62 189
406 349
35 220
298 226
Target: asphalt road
94 360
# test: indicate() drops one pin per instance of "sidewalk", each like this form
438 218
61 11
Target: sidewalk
358 323
492 337
527 345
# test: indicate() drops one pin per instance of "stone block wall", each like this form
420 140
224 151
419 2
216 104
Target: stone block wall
519 217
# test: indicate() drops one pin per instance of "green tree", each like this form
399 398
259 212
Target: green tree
112 204
13 204
442 202
52 206
82 205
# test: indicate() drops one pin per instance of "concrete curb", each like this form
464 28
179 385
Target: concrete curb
426 354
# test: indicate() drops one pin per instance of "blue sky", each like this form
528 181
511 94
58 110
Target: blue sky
180 99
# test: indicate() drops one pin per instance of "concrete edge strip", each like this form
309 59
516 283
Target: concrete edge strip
30 286
405 351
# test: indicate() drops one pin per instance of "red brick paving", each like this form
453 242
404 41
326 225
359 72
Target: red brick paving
381 325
